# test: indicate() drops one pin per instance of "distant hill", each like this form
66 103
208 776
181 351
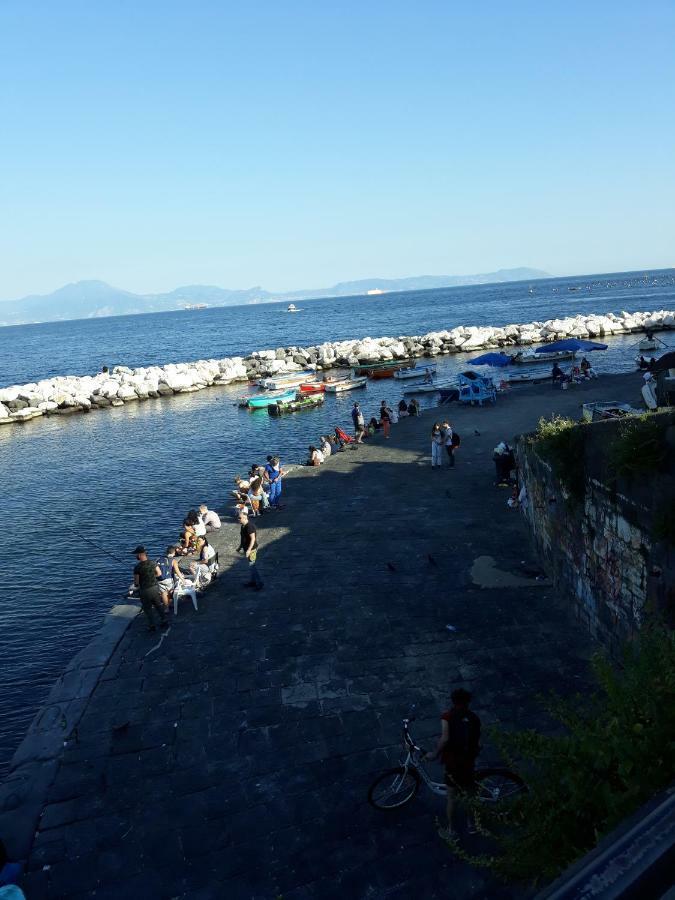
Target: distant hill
94 299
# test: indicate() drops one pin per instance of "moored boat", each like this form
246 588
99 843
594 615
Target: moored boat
312 387
367 368
524 359
304 401
291 379
607 409
263 400
345 384
431 388
415 372
378 374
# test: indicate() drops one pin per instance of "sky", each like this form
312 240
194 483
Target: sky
297 144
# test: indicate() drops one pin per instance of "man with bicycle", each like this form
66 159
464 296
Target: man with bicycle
457 749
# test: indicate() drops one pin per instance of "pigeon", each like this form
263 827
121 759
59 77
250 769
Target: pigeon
431 559
391 567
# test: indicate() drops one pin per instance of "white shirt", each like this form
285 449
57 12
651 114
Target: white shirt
325 450
317 456
211 518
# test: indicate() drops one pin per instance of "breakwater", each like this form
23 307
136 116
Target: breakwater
64 395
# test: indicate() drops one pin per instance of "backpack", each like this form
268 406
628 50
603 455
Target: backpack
456 440
165 565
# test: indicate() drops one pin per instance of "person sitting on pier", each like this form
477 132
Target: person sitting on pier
587 369
402 409
190 539
325 447
170 573
210 518
642 362
257 496
413 407
315 456
557 374
373 425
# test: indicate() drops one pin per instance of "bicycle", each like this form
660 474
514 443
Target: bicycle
396 787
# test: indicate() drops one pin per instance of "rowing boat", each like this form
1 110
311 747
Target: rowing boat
345 384
524 359
367 368
415 372
263 400
312 387
304 401
432 388
291 379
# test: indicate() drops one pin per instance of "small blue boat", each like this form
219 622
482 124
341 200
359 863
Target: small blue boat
263 400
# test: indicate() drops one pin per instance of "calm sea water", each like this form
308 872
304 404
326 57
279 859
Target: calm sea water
127 475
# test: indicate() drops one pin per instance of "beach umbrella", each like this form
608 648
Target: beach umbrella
573 344
492 359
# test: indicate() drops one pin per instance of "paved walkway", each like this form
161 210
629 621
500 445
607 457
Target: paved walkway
234 760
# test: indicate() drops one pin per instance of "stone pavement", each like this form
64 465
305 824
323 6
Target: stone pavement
234 758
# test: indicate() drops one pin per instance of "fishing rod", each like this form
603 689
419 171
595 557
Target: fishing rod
93 543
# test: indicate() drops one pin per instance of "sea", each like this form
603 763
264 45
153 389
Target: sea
79 492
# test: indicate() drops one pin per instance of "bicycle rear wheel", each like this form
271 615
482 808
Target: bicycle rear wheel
394 788
498 785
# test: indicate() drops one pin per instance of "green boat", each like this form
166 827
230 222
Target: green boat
368 368
311 401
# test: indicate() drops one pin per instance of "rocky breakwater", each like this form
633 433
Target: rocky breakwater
69 394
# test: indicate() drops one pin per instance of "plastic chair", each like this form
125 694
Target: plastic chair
184 589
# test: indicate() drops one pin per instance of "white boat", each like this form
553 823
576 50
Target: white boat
415 372
345 384
292 308
290 379
524 359
431 388
607 409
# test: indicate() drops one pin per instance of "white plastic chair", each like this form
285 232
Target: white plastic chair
184 589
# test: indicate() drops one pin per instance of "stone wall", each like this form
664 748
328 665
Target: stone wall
69 394
602 550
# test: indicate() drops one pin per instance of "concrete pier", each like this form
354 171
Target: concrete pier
233 758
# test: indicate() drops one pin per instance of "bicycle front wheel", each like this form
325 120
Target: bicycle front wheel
394 788
498 785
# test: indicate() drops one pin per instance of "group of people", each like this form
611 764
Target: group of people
159 580
260 490
444 441
582 372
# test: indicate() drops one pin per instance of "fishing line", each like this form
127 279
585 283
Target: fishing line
93 543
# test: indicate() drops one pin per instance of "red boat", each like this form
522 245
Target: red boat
383 372
312 387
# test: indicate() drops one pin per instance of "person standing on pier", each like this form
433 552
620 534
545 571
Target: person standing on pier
385 418
437 442
248 542
359 422
146 574
273 475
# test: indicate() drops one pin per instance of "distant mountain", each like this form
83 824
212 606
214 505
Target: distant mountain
94 299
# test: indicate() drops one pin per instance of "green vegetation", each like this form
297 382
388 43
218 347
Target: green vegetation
560 442
613 750
639 447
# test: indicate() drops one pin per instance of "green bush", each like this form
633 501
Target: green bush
639 447
560 441
614 749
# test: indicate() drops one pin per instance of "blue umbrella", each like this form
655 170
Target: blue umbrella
492 359
573 344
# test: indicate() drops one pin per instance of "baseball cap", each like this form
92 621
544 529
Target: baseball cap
139 549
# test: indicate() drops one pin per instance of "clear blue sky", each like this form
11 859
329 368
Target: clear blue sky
152 144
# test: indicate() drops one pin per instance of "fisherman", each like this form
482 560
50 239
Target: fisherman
146 574
273 475
359 422
248 544
210 518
